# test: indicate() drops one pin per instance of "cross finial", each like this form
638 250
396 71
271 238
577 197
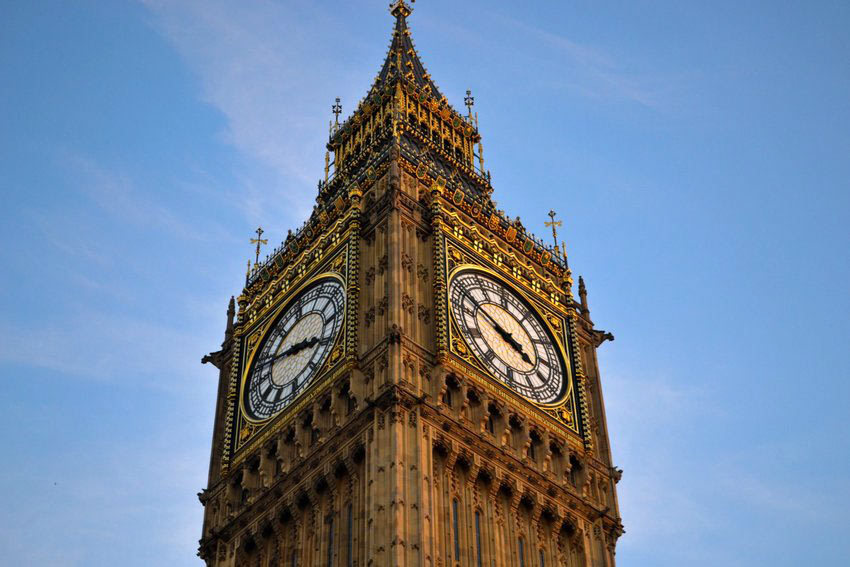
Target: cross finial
259 241
469 101
336 109
554 224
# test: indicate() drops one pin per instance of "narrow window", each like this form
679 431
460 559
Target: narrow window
457 533
542 559
521 553
491 426
350 537
330 541
294 559
448 397
478 538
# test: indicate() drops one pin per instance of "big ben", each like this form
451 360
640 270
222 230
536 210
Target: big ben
408 379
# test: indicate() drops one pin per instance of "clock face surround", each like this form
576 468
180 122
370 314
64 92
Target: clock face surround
295 348
507 336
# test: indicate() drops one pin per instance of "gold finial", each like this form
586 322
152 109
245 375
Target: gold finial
259 241
327 165
555 224
400 9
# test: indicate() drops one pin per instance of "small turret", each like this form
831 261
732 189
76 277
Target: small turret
231 314
582 293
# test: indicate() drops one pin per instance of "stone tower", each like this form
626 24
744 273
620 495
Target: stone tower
408 380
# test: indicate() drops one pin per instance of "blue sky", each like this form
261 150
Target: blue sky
698 154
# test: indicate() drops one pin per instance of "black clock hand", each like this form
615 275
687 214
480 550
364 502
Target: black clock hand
506 336
294 349
502 333
517 347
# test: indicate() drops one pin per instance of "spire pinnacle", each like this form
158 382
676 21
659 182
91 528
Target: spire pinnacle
400 9
554 224
469 101
402 58
336 109
259 241
582 293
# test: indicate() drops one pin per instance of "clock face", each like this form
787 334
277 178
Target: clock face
507 337
295 348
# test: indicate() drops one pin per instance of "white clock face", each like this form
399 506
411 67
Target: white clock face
507 337
296 347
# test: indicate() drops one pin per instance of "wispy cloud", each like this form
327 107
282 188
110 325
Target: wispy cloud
100 267
264 70
116 194
103 346
597 74
647 414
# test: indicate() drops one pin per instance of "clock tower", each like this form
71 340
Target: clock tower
408 380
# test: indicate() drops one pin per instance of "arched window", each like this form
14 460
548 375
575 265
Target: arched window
456 529
521 553
330 541
350 536
575 471
478 558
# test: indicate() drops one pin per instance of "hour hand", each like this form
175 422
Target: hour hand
295 348
507 337
517 347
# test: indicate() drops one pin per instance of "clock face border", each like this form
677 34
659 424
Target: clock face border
265 329
557 340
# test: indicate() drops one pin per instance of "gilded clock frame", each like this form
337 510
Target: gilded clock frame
460 256
455 333
246 433
258 336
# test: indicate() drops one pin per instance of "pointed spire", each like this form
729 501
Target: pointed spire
231 313
582 294
402 57
400 9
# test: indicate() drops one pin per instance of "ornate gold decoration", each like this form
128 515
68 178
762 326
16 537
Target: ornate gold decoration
561 410
259 241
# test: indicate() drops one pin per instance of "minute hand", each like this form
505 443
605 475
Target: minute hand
506 336
297 347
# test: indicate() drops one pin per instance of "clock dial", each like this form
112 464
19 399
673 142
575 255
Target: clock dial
295 348
507 336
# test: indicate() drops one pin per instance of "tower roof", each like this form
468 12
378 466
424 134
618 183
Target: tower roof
402 59
404 116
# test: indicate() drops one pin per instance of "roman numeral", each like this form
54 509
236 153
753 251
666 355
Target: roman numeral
267 391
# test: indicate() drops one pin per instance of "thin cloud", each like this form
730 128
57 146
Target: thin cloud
599 75
116 194
254 63
96 345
